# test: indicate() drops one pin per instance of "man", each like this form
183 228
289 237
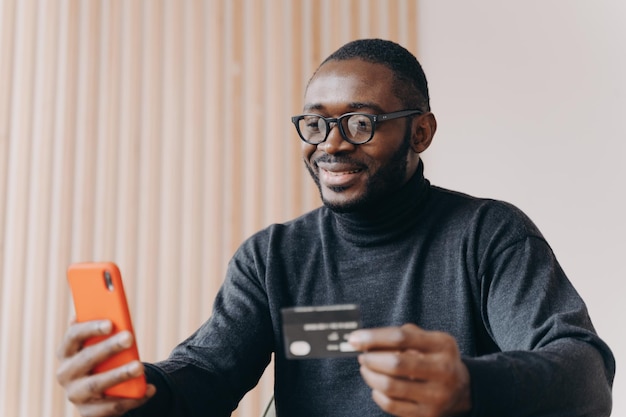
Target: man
465 308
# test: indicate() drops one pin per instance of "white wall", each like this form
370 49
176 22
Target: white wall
531 102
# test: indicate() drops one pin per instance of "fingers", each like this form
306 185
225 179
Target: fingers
78 359
402 408
407 352
92 387
114 407
81 363
405 390
408 336
409 364
413 372
440 394
78 333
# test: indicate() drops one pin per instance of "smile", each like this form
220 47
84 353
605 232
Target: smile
337 173
337 178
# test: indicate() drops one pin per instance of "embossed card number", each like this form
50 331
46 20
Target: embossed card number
320 331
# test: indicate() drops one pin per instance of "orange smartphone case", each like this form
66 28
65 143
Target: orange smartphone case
98 294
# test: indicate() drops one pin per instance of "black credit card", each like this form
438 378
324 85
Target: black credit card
320 331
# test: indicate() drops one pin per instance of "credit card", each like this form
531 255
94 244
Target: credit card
320 331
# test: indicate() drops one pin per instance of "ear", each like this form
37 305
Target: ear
424 128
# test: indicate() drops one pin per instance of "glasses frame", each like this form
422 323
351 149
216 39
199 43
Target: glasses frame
374 118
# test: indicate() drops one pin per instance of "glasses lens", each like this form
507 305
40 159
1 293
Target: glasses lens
312 128
358 128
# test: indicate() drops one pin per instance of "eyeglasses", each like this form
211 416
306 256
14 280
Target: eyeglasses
356 128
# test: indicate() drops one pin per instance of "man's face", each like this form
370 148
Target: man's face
351 177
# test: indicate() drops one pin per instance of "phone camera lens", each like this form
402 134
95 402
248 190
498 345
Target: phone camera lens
108 281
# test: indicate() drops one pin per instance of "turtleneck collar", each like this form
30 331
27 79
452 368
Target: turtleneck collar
388 219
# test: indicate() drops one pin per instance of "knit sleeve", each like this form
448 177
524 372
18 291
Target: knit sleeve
551 361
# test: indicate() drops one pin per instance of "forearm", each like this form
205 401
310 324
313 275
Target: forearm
567 378
182 391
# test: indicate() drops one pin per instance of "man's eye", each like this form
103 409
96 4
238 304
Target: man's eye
362 125
359 124
312 124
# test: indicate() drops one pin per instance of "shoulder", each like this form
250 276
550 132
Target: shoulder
489 232
290 233
305 224
485 219
482 210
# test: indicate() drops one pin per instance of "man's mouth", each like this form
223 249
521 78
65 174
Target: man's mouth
338 176
337 173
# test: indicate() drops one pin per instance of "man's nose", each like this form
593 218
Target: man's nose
335 142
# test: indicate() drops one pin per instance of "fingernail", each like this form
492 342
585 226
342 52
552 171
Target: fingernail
134 368
125 339
356 338
105 327
150 390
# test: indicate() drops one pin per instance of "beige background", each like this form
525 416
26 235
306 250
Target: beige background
531 102
157 134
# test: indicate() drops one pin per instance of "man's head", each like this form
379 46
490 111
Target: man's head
410 83
374 77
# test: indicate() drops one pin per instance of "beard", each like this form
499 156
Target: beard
385 181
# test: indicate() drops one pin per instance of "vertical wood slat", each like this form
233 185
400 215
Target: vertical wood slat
251 116
18 173
193 169
170 166
155 134
61 239
7 36
32 362
215 140
145 319
127 160
55 295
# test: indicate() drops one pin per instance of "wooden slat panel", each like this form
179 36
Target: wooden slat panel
16 200
214 144
170 166
55 244
145 318
61 214
155 134
193 170
37 292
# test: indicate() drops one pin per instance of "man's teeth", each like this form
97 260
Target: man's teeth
343 172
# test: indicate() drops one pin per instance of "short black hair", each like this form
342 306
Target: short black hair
410 81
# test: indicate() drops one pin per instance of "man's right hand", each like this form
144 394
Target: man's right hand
85 389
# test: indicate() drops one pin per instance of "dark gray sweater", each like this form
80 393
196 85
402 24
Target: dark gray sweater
475 268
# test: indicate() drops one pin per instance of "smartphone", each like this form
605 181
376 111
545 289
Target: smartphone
98 294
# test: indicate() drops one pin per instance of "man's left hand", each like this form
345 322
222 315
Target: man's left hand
413 372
